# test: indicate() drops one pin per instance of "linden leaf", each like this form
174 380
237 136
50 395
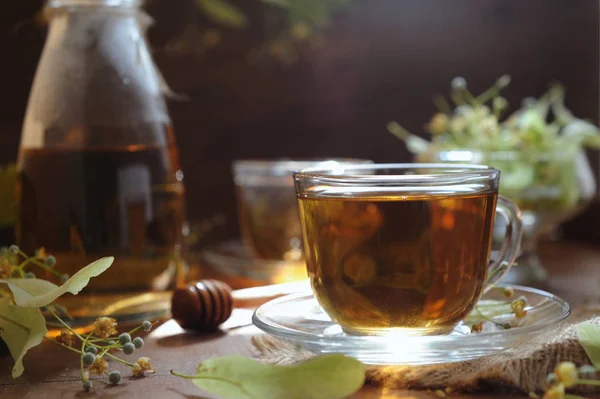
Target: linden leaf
323 377
589 338
35 293
21 329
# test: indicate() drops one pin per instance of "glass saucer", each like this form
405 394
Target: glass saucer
299 319
232 258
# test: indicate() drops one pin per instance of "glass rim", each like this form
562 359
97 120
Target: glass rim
453 173
115 4
291 165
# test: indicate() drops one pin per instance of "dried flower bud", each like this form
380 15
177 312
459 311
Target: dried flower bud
459 83
88 358
508 292
87 385
142 365
146 326
503 81
91 349
6 269
438 124
114 377
567 374
587 371
520 313
440 394
66 338
124 338
29 275
105 327
99 366
128 348
477 327
50 261
63 278
138 342
13 249
555 392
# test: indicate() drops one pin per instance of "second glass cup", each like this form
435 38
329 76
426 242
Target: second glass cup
402 247
267 207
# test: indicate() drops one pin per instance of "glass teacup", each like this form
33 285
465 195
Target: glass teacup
267 208
402 247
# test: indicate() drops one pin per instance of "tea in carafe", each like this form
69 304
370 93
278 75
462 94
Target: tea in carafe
99 168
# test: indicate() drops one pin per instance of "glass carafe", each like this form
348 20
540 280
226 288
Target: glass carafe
99 168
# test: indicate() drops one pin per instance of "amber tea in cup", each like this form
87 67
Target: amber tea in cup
267 208
402 247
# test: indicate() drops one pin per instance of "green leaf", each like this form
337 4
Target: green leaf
21 329
35 293
589 338
323 377
224 13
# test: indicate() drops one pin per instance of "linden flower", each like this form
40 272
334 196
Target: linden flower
6 269
41 253
477 327
105 327
142 365
99 366
438 124
65 338
518 307
567 374
556 392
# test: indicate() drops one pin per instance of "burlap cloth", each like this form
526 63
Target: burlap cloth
523 368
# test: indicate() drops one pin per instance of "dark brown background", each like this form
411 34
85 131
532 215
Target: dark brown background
381 60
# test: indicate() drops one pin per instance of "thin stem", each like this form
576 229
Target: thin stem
442 104
64 324
47 268
24 263
83 351
64 346
488 319
589 382
120 360
140 327
135 329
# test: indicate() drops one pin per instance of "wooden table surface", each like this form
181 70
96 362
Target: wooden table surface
52 372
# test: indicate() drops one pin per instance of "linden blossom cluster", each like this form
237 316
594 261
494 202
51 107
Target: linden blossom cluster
99 343
485 311
23 314
10 266
567 375
537 145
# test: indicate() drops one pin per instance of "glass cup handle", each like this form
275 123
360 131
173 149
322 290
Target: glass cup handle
512 240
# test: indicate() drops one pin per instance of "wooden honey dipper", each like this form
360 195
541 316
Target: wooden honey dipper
204 305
